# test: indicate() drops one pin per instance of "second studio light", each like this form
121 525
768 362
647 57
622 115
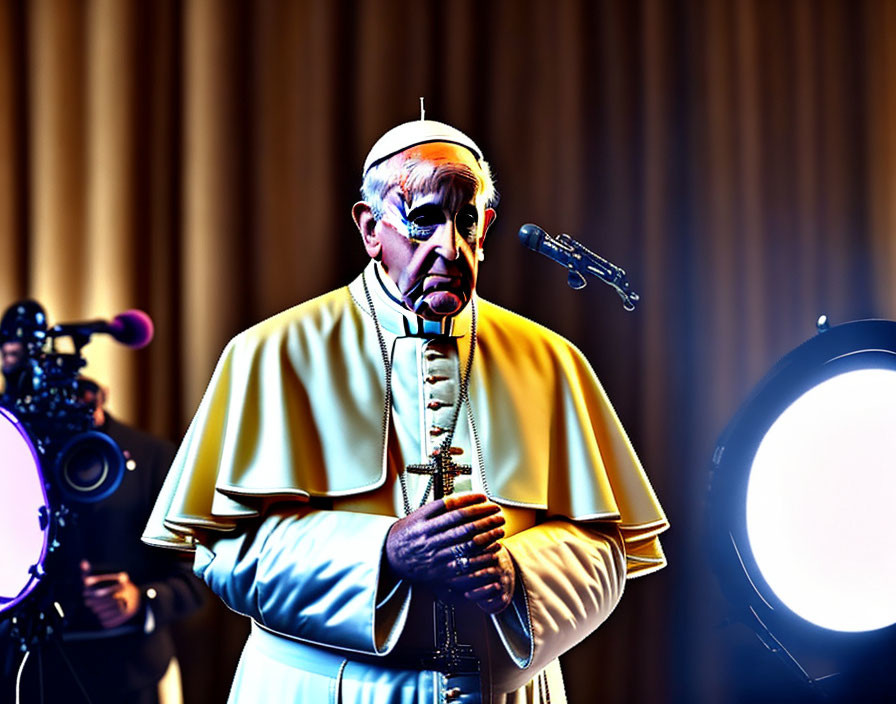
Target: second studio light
801 504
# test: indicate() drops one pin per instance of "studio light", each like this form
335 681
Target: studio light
23 511
802 503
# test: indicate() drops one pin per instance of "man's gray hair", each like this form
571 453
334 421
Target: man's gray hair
415 175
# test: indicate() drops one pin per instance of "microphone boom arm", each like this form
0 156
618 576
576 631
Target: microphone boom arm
583 261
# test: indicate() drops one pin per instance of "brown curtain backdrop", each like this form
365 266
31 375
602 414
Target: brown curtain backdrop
199 160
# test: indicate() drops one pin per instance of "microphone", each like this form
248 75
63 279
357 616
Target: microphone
579 261
540 241
133 328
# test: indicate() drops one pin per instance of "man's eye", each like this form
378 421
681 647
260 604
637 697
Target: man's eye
466 222
423 225
428 219
423 222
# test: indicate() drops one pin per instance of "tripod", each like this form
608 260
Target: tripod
35 631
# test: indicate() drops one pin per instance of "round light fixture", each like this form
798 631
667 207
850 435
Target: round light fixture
803 497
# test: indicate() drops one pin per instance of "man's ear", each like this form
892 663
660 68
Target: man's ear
366 224
488 217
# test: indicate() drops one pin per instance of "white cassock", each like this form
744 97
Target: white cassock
286 485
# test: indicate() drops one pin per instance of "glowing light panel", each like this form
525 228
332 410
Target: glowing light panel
821 503
21 497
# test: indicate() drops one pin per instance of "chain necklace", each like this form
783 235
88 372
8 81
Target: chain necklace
387 405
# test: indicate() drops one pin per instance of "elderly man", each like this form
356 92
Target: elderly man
415 495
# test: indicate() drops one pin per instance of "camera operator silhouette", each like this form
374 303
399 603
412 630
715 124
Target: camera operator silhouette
118 595
23 331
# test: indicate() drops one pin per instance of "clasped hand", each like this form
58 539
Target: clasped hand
452 544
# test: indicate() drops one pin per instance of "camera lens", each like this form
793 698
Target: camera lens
88 467
85 469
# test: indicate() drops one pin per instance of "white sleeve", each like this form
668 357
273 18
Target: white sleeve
312 575
570 576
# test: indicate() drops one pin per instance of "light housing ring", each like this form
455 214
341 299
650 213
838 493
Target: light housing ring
864 344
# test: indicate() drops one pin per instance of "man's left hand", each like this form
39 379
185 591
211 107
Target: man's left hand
491 587
113 597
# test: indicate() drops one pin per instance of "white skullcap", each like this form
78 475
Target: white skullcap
410 134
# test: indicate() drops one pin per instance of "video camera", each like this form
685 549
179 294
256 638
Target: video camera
52 457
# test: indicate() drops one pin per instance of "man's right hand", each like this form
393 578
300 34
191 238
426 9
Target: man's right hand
423 546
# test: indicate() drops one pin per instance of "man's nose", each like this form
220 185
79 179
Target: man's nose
445 240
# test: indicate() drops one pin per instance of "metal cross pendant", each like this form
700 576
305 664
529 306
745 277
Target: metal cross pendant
443 470
450 656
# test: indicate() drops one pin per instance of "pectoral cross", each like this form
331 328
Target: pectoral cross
443 471
450 656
